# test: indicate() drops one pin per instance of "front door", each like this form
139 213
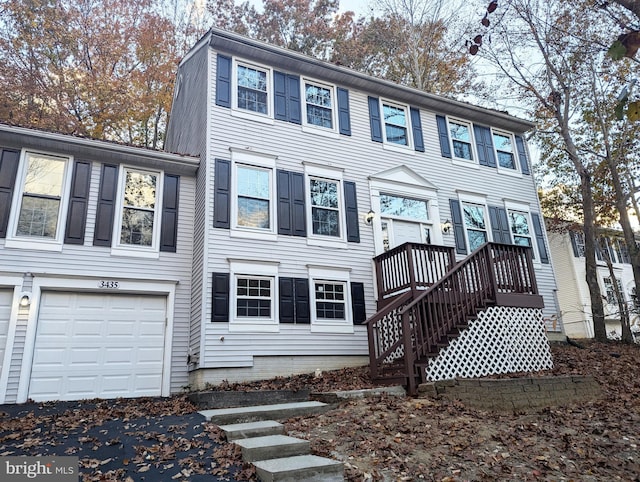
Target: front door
395 233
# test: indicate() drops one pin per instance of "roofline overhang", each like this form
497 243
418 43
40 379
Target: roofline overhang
258 51
92 149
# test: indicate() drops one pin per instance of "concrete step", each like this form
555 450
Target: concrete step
272 447
300 468
280 411
252 429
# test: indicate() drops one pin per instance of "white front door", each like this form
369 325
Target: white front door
395 233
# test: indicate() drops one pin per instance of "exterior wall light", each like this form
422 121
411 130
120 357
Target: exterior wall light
25 300
368 218
446 226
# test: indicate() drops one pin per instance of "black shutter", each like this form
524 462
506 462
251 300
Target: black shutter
280 95
375 120
574 244
499 225
443 135
291 210
357 303
169 226
77 212
220 297
522 155
416 126
537 228
286 91
484 145
286 306
302 306
344 117
458 226
222 195
351 208
293 92
106 206
223 81
9 161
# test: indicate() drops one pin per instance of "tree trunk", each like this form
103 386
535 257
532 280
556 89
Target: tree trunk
623 312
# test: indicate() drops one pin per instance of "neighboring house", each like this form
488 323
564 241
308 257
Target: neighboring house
95 268
567 247
309 171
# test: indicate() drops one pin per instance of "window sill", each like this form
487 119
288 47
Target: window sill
134 253
36 245
509 172
471 164
320 131
329 243
325 327
252 116
262 236
253 327
398 148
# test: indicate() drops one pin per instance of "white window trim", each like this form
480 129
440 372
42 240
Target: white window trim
119 249
329 173
525 209
478 200
461 161
262 161
253 268
306 127
32 242
247 114
337 275
516 161
407 112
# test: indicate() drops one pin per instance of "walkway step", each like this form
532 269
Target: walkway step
272 447
280 411
252 429
299 468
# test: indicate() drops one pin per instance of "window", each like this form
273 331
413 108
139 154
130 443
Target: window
254 191
325 207
404 207
475 225
254 297
41 197
610 292
503 143
253 293
331 300
139 199
319 105
520 228
461 140
396 129
578 238
252 88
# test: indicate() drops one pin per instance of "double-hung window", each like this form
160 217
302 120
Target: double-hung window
461 140
252 88
139 200
319 105
475 224
254 297
520 228
253 304
396 124
612 299
325 207
503 143
330 299
41 201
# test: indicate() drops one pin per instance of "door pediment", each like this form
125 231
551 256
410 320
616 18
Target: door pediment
403 175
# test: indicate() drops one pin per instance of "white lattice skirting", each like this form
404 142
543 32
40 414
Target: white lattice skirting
501 340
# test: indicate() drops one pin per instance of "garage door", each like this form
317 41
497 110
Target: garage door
98 345
5 311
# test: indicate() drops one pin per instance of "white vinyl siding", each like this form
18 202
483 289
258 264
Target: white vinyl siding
6 297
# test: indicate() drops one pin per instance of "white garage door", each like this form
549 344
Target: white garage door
98 345
5 311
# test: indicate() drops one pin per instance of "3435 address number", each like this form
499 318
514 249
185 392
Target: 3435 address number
109 284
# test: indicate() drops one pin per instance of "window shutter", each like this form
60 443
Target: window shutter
284 202
280 95
574 244
293 92
357 303
499 225
220 297
344 117
458 226
522 155
222 195
169 226
537 228
375 120
416 126
9 161
302 306
484 145
286 306
351 208
443 135
223 81
298 211
291 209
77 212
106 206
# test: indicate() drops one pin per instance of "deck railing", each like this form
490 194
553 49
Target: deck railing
415 325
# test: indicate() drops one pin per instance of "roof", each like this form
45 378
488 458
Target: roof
86 148
258 51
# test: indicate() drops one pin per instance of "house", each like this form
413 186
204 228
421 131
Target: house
95 268
566 243
327 197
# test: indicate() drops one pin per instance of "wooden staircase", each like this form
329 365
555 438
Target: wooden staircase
426 299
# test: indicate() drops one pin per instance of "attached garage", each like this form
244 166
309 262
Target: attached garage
6 296
104 345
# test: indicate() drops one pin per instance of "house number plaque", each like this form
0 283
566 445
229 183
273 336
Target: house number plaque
109 284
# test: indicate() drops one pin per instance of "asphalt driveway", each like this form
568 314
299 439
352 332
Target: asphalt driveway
144 439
